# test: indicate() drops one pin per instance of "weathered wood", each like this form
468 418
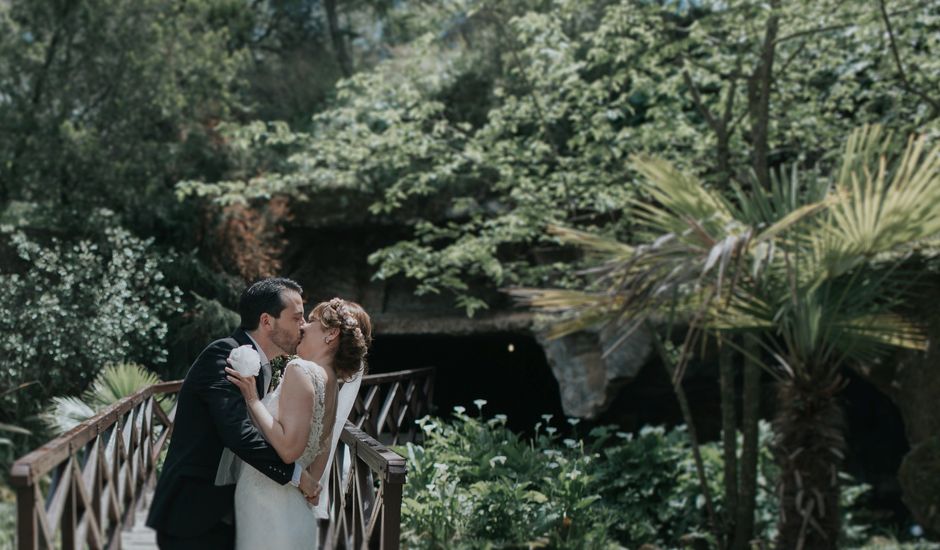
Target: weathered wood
27 521
389 404
397 376
98 469
104 467
391 514
167 387
69 520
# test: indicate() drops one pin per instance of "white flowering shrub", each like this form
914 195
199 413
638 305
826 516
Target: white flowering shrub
68 308
473 483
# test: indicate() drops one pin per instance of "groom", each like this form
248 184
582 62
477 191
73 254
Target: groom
188 510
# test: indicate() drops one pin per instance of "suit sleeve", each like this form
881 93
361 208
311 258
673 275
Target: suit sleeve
230 416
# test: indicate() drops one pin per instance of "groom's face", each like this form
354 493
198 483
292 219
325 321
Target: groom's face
285 329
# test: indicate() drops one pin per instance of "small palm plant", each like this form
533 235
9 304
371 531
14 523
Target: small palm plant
816 269
112 384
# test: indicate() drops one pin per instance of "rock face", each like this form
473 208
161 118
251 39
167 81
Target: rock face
912 381
914 386
921 484
589 381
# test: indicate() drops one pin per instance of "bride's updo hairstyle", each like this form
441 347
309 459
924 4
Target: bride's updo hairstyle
355 334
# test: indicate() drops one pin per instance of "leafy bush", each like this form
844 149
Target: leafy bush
473 483
7 523
71 307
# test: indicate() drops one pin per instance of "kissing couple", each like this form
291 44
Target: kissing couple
248 457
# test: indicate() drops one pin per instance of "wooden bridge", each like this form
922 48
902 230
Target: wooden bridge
90 487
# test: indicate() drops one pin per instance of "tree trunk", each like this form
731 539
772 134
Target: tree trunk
759 88
750 418
729 430
693 435
809 449
337 39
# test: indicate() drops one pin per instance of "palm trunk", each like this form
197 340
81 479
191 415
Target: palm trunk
809 450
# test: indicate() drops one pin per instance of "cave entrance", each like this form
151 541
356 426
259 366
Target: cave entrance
507 370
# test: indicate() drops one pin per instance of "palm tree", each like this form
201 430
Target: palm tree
817 270
113 383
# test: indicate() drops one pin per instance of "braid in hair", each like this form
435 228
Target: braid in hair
355 334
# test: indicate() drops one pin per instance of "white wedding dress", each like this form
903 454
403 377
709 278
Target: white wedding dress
270 516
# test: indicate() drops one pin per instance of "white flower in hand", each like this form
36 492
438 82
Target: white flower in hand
245 360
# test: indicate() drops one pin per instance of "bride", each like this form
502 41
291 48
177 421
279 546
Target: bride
297 419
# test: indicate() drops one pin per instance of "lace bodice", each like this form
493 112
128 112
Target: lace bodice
315 441
275 516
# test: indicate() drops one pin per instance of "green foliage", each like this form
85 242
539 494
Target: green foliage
477 143
813 265
816 267
204 321
7 524
118 381
111 385
71 307
473 483
107 103
64 413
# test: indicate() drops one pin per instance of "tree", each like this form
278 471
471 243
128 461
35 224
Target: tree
816 269
108 104
514 115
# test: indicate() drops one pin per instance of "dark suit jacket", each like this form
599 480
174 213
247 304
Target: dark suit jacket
210 415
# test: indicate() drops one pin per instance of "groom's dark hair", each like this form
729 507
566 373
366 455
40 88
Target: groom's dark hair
264 296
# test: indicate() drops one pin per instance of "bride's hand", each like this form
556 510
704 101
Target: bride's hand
245 384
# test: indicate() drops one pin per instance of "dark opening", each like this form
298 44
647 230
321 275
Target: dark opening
509 371
650 400
876 444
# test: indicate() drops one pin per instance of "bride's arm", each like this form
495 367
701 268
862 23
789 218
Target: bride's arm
288 433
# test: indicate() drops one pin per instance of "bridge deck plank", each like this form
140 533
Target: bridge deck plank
139 536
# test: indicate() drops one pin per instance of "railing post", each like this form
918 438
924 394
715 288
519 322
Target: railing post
99 517
70 512
27 524
391 513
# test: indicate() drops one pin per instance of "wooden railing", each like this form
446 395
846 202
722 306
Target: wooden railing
82 488
389 404
367 491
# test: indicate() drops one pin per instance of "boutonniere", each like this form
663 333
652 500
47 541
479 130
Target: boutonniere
277 369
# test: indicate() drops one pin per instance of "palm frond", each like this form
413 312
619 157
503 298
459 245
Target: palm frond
582 310
886 203
116 382
65 413
811 264
4 427
598 245
685 200
889 329
112 384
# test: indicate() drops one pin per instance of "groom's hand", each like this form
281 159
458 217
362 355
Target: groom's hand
310 488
